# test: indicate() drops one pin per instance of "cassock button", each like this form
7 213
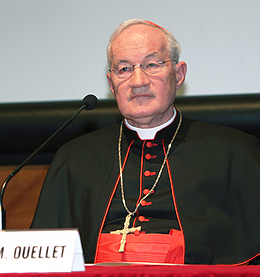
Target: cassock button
141 218
146 191
137 232
149 156
148 173
145 203
149 144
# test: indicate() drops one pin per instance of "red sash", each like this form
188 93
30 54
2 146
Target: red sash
146 248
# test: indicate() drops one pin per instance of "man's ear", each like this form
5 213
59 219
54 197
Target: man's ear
181 70
110 82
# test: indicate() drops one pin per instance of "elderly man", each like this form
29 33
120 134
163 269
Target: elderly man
158 187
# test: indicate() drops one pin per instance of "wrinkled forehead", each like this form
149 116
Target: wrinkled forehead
137 40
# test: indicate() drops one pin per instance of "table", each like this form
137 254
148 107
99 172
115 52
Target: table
152 271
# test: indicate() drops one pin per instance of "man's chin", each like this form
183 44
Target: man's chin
140 118
142 113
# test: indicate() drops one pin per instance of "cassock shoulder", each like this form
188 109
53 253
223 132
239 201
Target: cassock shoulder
96 145
218 135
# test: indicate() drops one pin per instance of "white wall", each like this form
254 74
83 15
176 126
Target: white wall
55 49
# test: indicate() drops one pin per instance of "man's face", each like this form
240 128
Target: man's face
144 100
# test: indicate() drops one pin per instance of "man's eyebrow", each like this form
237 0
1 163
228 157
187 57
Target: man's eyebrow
121 61
151 55
154 54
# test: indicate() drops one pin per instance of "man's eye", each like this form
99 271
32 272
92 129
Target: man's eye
152 65
123 69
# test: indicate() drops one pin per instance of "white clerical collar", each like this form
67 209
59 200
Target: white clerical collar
150 133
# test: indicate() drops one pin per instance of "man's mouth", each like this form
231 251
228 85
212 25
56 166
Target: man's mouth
141 95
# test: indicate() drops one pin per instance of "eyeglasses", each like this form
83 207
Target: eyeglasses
125 71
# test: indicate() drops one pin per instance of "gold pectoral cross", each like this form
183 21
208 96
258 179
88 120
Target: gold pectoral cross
125 231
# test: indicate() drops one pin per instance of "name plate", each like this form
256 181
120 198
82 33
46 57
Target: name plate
48 250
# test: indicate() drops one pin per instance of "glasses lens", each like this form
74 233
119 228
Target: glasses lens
152 67
124 71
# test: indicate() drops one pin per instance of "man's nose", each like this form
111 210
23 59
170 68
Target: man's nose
139 78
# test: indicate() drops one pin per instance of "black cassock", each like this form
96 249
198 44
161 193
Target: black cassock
216 177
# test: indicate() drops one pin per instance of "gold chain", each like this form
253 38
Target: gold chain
159 174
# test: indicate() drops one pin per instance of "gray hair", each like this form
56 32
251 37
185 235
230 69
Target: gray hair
173 46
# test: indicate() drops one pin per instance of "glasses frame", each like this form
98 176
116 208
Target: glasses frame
140 65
